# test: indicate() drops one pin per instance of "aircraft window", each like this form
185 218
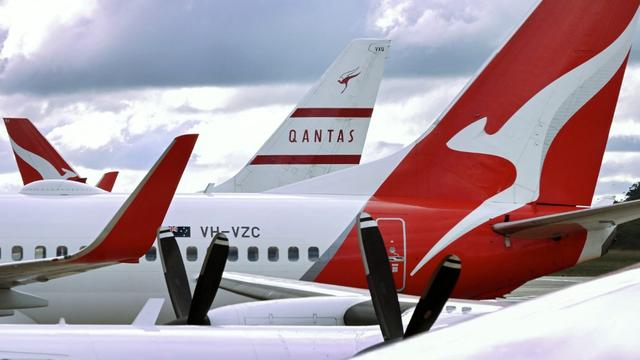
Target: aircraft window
151 254
314 253
192 253
294 254
16 253
233 253
273 254
252 253
40 252
61 251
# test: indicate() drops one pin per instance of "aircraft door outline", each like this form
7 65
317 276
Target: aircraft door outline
397 252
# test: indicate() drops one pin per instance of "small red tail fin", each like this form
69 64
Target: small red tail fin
36 158
107 181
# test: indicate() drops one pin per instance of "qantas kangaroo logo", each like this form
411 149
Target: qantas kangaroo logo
526 137
346 77
41 165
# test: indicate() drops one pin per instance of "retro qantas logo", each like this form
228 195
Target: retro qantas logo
346 77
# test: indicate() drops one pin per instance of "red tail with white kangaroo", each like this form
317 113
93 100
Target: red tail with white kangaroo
523 141
37 159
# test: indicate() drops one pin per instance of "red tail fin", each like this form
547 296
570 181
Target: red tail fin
36 158
107 181
533 124
132 229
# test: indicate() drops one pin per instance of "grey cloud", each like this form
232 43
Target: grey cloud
625 143
7 160
189 43
228 43
137 152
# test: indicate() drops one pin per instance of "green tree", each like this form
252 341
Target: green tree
633 193
627 234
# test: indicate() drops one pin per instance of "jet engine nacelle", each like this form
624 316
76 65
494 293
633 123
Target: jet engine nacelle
317 310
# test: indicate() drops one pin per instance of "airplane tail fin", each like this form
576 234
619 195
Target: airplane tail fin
37 159
107 181
326 131
531 126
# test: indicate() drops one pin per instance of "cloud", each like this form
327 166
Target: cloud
110 45
112 82
126 44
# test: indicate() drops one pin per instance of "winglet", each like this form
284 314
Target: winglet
107 181
133 228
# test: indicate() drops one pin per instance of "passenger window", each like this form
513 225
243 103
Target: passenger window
40 252
233 253
294 254
61 251
16 253
273 254
314 254
252 253
151 254
192 253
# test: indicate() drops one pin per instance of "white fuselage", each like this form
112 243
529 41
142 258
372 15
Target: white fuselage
114 294
188 342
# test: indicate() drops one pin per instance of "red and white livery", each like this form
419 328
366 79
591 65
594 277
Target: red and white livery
502 179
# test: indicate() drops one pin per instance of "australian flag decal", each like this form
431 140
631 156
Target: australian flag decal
180 231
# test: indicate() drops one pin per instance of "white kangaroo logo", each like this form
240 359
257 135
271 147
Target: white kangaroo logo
526 137
40 164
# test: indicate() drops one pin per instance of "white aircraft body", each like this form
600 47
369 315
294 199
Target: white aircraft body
502 179
198 339
598 319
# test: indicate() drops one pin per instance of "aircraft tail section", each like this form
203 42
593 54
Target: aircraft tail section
531 126
326 131
37 159
107 181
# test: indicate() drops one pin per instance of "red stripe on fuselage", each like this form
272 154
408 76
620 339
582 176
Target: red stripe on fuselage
333 112
306 159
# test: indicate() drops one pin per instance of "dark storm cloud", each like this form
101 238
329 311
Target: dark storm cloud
188 43
173 43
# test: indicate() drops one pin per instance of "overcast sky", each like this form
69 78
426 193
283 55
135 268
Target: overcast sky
110 83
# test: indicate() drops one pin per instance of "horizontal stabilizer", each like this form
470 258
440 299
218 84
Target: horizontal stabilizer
107 181
12 300
558 225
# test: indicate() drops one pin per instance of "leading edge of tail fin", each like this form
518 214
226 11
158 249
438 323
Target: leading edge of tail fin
326 131
531 126
37 159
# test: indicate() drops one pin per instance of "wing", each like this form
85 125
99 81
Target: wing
270 288
557 225
127 236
